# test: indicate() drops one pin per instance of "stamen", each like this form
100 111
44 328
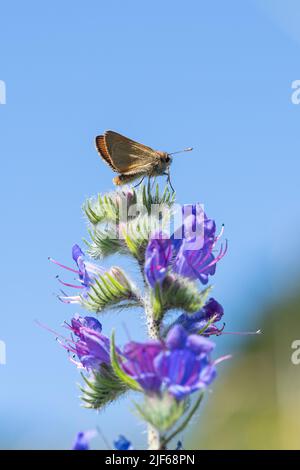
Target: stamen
75 299
209 252
221 359
218 258
220 234
69 285
67 347
58 335
242 333
63 266
77 363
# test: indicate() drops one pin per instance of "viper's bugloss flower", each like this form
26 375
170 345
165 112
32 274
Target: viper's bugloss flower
203 321
199 263
180 364
82 440
89 275
87 343
86 273
139 363
122 443
190 256
157 259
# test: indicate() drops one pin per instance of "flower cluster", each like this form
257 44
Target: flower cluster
180 364
175 363
190 256
91 347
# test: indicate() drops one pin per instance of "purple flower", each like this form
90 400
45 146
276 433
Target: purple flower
204 320
86 273
122 443
189 256
180 364
195 258
82 441
89 344
157 259
139 363
186 368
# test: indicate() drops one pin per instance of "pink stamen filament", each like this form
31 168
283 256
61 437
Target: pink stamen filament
69 299
63 266
222 358
212 246
217 259
209 252
77 363
69 285
67 347
220 235
58 335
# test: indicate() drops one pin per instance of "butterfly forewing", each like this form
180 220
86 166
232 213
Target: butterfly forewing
125 155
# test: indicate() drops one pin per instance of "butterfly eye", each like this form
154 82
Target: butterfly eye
167 159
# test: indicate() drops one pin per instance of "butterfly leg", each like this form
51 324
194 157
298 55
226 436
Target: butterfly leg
169 180
153 184
149 186
140 182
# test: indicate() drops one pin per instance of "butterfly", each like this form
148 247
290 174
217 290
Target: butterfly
131 159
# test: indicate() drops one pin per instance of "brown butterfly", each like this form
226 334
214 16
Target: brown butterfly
131 159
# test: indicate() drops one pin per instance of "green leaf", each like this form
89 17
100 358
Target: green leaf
129 381
104 243
108 289
101 388
162 412
185 422
157 302
150 198
178 292
101 209
138 231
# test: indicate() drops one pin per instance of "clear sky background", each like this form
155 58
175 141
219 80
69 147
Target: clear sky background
213 75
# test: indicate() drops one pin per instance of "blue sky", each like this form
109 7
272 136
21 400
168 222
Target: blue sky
213 75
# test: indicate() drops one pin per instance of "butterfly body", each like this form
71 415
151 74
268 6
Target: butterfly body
131 159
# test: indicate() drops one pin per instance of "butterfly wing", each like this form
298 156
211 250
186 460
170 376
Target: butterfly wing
125 155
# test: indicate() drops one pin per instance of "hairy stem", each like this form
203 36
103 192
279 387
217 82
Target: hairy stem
153 327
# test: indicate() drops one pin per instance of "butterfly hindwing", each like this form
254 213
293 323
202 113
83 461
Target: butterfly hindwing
102 149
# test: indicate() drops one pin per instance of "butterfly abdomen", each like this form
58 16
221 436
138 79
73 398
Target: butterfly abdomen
124 179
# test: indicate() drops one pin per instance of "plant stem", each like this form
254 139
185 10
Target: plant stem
153 327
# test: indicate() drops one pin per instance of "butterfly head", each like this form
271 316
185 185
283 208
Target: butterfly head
165 161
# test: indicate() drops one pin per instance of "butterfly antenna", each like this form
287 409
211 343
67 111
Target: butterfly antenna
189 149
